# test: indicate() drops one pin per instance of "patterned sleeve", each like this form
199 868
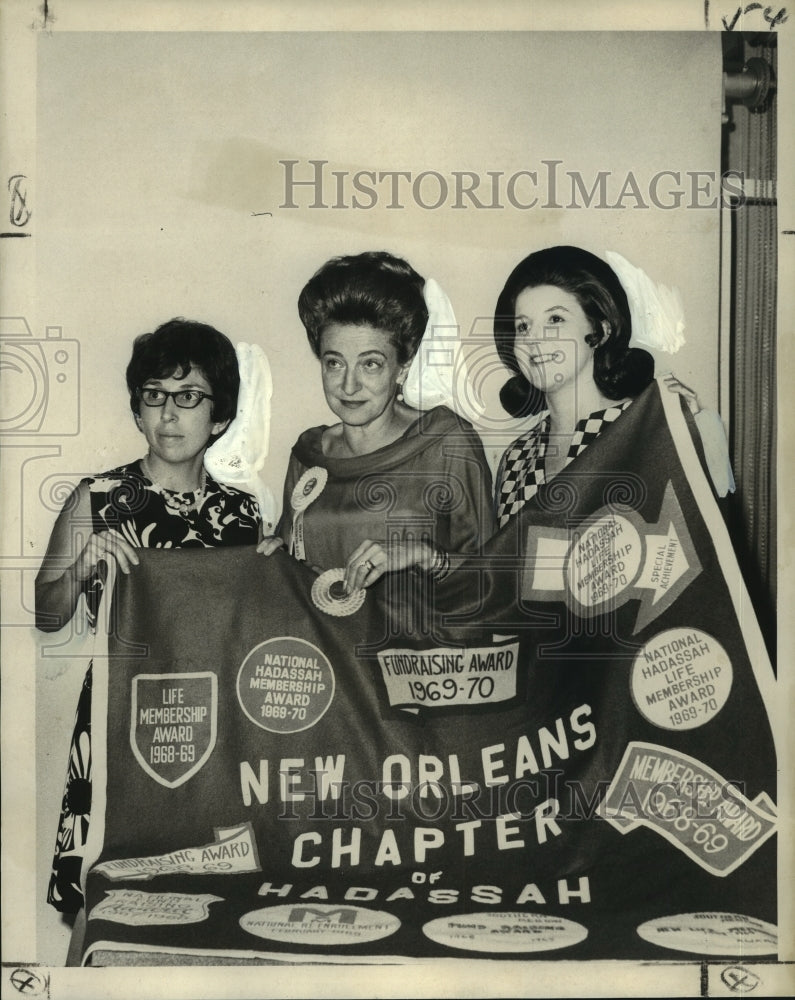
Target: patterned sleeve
499 479
250 510
57 590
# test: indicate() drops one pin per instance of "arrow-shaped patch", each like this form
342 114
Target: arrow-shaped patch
611 558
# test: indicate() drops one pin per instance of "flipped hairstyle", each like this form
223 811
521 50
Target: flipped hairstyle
369 289
618 369
175 348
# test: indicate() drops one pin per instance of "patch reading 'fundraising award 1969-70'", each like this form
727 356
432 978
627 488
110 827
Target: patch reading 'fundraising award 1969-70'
446 677
285 685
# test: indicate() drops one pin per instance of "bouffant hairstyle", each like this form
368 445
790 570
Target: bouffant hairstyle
175 348
369 289
619 370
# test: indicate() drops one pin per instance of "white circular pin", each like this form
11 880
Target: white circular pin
308 488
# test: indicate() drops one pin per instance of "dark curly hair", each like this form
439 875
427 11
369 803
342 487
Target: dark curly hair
618 369
179 346
368 289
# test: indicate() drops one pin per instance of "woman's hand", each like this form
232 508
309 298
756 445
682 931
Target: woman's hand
59 582
371 560
105 546
674 385
269 544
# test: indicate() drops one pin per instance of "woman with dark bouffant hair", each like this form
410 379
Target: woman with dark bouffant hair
394 483
563 326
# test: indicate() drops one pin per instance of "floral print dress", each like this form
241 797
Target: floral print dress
147 516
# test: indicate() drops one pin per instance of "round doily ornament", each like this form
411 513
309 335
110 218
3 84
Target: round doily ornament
308 488
330 597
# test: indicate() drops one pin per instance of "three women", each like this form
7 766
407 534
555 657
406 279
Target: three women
385 488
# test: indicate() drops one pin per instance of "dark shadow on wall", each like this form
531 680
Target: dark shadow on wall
750 147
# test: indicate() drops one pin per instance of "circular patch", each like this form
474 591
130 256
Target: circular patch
285 685
604 560
308 488
516 931
329 597
681 679
320 924
712 934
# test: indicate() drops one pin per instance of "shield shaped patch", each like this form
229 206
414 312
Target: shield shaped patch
173 724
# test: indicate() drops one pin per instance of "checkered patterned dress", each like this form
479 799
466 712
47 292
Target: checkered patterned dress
522 468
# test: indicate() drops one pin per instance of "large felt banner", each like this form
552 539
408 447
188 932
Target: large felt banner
563 751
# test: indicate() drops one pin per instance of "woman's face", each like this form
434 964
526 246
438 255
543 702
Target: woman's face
360 372
550 346
175 434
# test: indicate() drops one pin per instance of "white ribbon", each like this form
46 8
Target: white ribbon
716 451
305 492
438 374
657 313
237 457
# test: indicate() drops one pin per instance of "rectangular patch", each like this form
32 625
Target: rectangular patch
688 803
447 677
234 850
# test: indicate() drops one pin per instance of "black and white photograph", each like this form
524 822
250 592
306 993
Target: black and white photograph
395 525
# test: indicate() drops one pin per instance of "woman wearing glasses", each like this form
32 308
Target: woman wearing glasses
183 381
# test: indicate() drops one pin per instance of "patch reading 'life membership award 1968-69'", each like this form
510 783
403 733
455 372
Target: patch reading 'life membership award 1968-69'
173 724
